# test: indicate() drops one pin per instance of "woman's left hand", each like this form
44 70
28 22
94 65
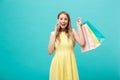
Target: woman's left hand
79 22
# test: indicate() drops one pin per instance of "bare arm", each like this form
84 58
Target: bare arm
51 45
79 37
80 33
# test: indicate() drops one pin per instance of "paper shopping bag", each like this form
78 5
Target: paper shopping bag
93 37
97 33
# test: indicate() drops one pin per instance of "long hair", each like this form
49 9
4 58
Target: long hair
68 29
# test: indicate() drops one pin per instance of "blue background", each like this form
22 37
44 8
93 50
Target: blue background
25 27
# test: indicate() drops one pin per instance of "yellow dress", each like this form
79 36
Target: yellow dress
63 66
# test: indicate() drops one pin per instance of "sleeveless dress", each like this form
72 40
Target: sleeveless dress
63 65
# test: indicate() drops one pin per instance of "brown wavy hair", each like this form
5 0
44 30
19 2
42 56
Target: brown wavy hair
68 29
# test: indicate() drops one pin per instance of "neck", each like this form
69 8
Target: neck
63 30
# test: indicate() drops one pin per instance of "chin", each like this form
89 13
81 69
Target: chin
63 27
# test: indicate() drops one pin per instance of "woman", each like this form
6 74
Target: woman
62 41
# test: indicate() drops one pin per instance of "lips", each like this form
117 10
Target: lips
63 24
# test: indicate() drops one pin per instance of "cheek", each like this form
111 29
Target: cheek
59 21
67 22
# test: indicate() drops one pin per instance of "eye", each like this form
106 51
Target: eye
61 18
65 19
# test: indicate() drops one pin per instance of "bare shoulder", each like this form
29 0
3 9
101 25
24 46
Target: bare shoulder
52 33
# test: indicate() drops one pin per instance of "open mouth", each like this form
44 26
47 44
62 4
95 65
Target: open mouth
63 24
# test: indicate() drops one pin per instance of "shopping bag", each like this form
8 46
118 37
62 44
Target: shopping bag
93 38
97 33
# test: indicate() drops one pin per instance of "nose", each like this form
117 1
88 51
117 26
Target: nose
63 21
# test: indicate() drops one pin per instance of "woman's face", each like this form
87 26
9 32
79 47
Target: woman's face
63 21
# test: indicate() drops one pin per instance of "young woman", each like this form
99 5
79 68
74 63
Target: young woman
62 41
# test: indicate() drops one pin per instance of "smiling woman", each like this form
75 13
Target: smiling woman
24 29
63 21
62 41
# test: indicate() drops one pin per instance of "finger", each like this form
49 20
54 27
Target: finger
79 19
57 22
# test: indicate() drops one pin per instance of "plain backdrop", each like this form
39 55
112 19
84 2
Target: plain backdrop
25 27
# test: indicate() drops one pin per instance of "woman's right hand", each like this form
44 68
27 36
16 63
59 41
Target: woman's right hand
57 28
